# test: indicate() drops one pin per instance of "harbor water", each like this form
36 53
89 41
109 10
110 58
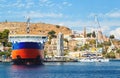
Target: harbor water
62 70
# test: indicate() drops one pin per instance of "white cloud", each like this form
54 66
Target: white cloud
30 4
94 14
67 4
109 21
9 12
21 5
116 33
2 0
45 3
106 26
53 4
114 13
115 23
34 14
18 4
43 0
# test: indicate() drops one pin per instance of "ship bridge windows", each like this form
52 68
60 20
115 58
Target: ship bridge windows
27 37
44 37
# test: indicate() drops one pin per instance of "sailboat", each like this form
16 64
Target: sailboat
94 58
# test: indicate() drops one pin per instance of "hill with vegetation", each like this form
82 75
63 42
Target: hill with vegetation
35 28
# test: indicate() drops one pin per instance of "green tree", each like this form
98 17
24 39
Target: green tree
45 53
82 48
52 34
93 34
66 40
5 53
118 51
99 45
110 55
86 46
72 36
107 43
57 26
89 34
5 34
112 37
0 35
75 48
91 42
66 52
9 44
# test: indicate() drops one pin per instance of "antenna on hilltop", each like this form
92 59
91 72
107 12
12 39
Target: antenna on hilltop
99 34
28 25
97 23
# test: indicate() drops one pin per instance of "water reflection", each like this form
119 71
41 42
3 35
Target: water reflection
54 63
61 70
20 67
25 71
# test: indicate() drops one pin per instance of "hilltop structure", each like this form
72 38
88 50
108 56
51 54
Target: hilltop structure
35 28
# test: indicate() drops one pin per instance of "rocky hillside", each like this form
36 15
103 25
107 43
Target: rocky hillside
35 28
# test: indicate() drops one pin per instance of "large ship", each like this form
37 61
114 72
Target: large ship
27 48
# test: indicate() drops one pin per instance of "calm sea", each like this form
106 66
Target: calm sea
62 70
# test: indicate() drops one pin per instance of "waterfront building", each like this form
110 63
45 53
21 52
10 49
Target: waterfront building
105 38
74 55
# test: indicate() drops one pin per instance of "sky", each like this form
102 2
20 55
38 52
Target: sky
75 14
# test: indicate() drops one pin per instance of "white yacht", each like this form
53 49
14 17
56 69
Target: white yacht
93 60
